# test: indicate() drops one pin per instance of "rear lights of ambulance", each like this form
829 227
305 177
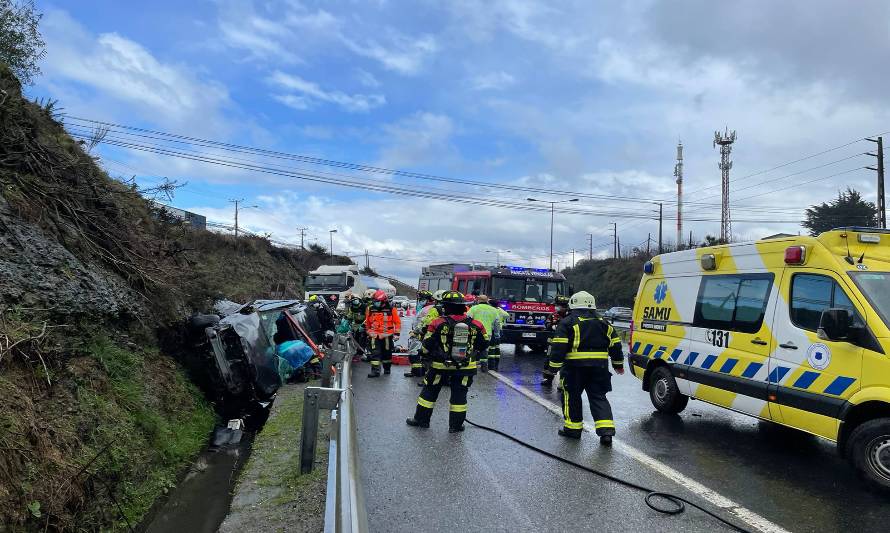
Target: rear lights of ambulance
795 255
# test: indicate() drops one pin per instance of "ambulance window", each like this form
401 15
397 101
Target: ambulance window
811 294
733 302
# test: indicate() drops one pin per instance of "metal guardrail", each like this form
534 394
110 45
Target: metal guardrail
345 510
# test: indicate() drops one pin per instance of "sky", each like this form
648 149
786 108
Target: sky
574 99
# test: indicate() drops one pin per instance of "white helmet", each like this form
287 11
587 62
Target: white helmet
438 294
369 293
582 300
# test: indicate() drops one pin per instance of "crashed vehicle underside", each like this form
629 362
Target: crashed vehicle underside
241 359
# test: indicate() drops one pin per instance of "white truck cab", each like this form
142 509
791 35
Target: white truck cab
332 282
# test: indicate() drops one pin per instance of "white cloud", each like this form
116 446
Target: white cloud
309 91
367 79
125 72
422 138
400 53
495 81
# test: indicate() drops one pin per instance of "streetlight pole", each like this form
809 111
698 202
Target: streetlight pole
497 255
552 209
331 234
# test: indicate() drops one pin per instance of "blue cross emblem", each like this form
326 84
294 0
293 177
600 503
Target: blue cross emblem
661 292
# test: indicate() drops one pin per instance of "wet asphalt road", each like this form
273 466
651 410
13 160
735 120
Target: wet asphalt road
429 480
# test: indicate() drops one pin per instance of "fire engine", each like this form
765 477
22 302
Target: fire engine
527 294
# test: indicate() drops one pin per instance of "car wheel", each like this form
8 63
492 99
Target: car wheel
664 392
869 452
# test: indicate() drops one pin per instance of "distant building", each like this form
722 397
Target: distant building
779 236
193 219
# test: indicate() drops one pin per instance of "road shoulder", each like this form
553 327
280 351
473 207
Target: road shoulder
270 494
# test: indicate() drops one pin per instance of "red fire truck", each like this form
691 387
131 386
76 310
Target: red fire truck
526 293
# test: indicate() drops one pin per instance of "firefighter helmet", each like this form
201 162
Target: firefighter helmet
313 298
561 299
379 295
582 300
438 294
453 297
369 294
424 295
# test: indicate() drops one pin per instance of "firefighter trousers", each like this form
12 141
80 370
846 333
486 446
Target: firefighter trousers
596 382
416 364
432 384
381 354
494 353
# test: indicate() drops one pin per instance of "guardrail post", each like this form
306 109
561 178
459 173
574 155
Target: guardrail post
314 399
309 430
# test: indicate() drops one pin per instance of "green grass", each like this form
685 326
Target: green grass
152 432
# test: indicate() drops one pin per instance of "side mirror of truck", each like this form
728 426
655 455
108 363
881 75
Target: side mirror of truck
834 325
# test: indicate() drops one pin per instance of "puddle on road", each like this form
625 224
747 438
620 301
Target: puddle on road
200 502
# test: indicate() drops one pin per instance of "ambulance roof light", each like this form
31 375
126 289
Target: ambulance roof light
648 267
795 255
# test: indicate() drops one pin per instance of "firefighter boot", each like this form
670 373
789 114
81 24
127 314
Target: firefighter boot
387 368
375 370
417 423
572 433
606 440
483 366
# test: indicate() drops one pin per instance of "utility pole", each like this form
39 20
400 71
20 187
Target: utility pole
882 211
615 240
367 260
573 258
618 241
660 219
678 173
648 240
725 141
590 243
302 236
236 202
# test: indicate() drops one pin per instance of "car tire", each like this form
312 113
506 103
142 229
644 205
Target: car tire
869 452
664 392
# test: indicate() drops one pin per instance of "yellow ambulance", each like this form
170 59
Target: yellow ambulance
795 330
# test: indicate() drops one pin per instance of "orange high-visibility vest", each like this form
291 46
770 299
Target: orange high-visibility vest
383 323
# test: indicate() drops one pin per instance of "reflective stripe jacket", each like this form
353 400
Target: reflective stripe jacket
437 343
382 323
489 316
584 339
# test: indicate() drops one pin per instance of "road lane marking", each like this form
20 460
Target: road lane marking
715 498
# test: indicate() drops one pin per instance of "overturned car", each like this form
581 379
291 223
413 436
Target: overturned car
241 359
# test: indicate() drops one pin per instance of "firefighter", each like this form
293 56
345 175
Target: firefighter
454 342
491 318
424 318
424 299
582 348
561 309
382 324
355 313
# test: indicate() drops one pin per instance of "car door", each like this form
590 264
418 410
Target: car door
729 342
810 378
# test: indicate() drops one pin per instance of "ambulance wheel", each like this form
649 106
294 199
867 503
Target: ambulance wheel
664 392
869 451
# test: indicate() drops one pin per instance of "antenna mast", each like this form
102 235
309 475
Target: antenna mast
678 173
725 141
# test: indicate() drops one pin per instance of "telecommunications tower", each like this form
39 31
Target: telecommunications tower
678 173
725 141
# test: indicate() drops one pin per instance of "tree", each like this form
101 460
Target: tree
21 46
849 209
711 240
318 249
